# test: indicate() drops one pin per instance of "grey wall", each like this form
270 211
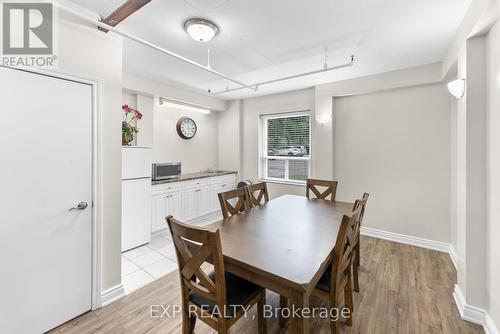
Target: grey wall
396 146
493 172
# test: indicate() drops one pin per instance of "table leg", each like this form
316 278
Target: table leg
299 324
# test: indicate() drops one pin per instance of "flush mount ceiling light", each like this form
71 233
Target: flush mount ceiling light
457 88
201 30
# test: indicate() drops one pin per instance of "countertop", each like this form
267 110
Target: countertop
194 176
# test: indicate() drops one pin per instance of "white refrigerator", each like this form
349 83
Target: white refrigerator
136 196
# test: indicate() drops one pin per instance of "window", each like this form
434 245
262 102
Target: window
285 149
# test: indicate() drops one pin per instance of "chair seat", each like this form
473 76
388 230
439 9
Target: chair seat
239 292
325 280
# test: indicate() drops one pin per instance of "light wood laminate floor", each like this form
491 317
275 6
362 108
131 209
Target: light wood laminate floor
404 289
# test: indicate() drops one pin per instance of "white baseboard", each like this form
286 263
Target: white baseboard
474 314
112 294
453 256
406 239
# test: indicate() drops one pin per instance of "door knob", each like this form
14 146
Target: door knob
80 206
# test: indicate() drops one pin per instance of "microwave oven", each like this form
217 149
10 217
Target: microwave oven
166 171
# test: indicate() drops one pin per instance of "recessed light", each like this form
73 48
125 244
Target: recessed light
201 30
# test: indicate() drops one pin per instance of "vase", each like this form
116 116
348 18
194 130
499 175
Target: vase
127 139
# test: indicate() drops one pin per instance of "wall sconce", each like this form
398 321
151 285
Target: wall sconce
457 88
323 118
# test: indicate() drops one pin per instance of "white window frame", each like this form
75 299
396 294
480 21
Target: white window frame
264 158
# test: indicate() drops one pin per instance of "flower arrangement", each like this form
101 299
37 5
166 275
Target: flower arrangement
129 129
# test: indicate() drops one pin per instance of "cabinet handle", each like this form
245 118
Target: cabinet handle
223 185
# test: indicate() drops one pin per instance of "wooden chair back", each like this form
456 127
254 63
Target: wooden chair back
193 278
313 184
360 204
342 256
257 192
241 197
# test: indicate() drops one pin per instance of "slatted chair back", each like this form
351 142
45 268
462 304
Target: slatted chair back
193 278
344 247
258 192
239 196
313 184
361 203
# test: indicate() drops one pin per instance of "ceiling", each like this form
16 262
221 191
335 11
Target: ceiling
262 40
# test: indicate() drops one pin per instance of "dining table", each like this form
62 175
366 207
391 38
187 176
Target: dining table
284 245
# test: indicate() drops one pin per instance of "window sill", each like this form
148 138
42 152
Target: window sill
288 183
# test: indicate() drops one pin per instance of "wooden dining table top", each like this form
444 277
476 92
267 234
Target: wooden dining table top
289 238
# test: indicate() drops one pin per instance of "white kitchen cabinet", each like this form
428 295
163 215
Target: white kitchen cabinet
214 195
188 200
165 205
197 201
158 207
190 204
175 205
204 201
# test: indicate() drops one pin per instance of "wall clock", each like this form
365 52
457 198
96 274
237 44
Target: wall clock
186 128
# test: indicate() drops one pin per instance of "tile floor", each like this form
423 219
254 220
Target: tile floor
144 264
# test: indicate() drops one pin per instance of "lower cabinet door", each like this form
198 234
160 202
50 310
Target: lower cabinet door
159 208
190 204
214 196
204 201
175 206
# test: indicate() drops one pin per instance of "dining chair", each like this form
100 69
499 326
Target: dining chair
337 277
239 196
359 204
313 184
218 298
258 192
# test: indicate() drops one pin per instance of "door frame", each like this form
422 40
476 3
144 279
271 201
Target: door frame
96 86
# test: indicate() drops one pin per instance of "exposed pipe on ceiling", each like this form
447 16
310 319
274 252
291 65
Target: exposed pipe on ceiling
126 9
150 45
258 84
254 87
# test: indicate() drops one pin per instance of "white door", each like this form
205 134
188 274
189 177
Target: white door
45 169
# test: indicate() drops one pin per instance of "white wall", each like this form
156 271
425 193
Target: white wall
493 171
145 104
196 154
395 145
88 52
230 137
475 170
